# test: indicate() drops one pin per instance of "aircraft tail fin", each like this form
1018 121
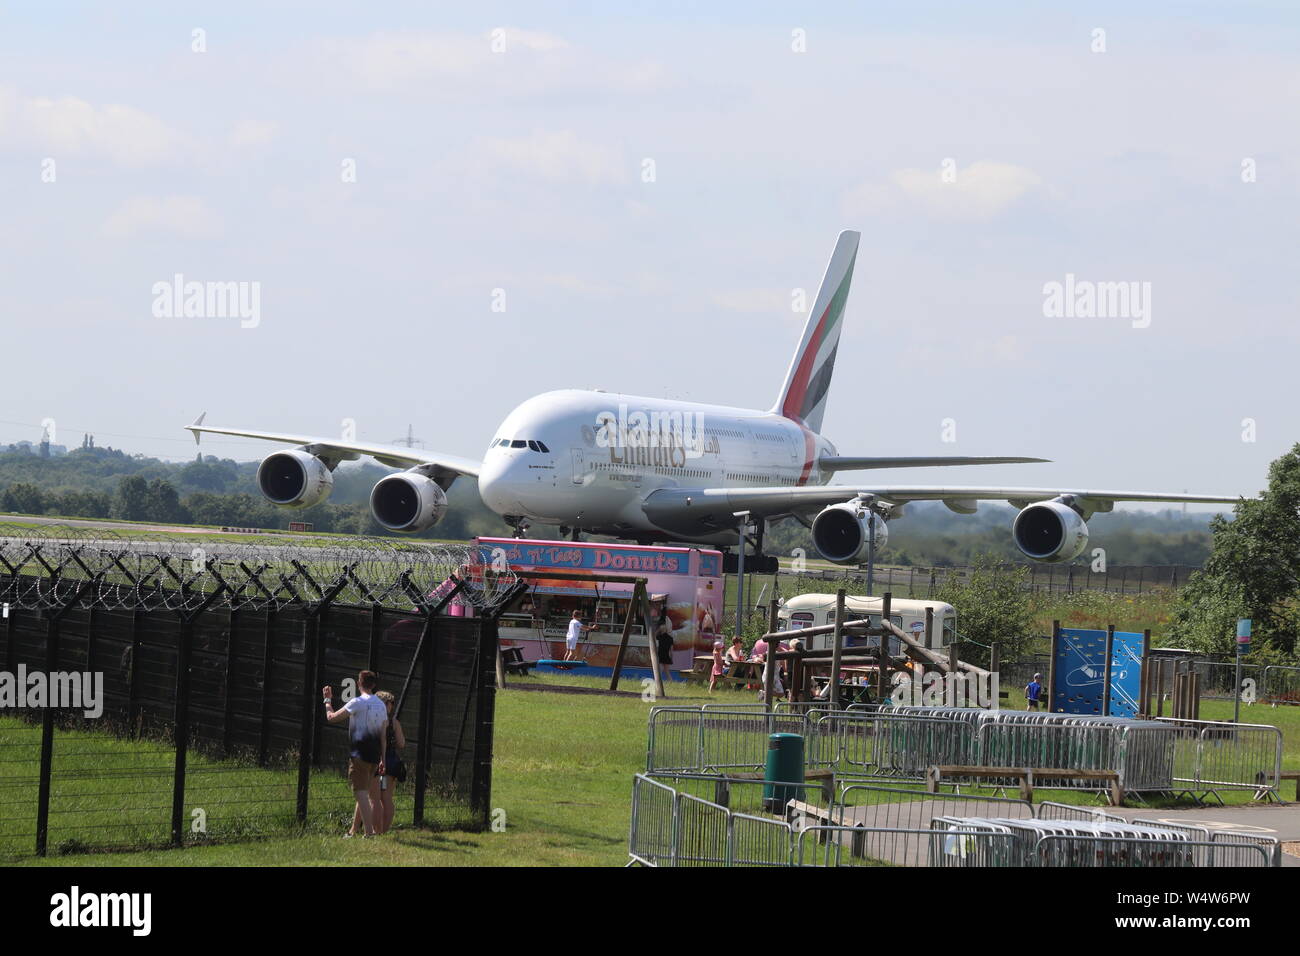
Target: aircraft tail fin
803 396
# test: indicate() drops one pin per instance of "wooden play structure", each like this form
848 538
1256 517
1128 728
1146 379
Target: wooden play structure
875 664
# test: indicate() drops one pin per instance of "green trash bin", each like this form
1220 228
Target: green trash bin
784 765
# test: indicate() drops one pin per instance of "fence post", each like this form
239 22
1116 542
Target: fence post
11 620
1105 670
1051 668
376 635
426 720
133 690
319 682
1144 683
90 640
307 732
481 785
47 740
837 650
181 723
264 731
882 650
228 713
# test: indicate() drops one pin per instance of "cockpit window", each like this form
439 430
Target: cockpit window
518 443
532 446
542 447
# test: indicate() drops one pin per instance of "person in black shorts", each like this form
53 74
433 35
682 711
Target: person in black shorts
1034 693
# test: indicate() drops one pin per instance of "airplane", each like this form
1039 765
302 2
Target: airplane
658 470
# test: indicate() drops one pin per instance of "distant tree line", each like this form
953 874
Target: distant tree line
106 483
102 482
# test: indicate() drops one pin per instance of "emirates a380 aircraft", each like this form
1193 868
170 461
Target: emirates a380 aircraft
651 470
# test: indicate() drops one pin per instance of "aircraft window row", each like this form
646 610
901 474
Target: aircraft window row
760 479
521 443
724 432
626 468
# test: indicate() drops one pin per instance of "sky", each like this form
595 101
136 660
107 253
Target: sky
446 209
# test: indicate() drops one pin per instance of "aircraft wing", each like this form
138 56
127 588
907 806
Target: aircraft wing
842 463
716 507
334 450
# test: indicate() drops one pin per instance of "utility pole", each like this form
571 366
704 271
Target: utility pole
743 518
871 550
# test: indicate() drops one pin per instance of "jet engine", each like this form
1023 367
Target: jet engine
1050 531
841 533
294 479
408 501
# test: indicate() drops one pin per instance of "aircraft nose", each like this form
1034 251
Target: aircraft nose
496 485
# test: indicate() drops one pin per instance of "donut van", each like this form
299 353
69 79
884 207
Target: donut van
686 582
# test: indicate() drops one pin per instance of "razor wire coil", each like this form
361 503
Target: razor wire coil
45 568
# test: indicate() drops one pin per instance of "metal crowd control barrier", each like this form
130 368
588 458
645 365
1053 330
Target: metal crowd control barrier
702 829
742 795
912 828
1080 851
758 841
886 744
690 739
1281 685
1213 755
869 805
872 846
901 743
1215 847
654 823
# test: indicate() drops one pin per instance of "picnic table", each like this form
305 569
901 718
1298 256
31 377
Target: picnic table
738 672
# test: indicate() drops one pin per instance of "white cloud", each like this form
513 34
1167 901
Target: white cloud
515 62
980 191
556 156
388 60
253 133
127 136
186 216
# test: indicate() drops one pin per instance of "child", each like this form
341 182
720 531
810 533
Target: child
1033 693
718 666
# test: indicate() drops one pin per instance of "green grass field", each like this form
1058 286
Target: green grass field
562 780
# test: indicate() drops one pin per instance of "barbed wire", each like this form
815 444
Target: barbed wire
50 567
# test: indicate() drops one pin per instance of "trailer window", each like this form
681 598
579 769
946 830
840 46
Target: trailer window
801 619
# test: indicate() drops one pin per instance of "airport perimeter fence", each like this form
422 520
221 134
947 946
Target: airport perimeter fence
208 722
1217 680
676 823
919 582
870 743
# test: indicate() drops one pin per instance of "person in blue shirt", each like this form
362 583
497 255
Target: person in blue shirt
1033 693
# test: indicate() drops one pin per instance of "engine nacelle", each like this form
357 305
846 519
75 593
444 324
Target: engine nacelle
841 533
408 501
294 479
1050 531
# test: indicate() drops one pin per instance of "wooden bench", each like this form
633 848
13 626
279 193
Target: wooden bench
513 659
1026 775
754 669
823 816
1291 775
722 789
